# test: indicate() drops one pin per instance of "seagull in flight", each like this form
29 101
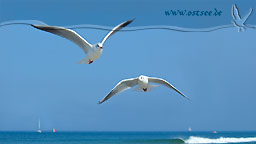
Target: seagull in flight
94 51
237 20
143 83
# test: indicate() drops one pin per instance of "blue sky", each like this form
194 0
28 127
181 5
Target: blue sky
40 78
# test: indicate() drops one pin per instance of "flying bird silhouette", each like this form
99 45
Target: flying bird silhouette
237 20
143 82
94 51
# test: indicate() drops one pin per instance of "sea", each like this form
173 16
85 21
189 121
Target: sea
127 137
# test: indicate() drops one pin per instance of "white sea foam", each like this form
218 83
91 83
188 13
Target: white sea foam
196 140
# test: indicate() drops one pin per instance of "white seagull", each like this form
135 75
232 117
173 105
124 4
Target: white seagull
237 20
93 52
142 81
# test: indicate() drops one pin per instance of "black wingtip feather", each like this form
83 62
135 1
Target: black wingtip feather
33 26
100 102
45 27
132 19
128 22
38 27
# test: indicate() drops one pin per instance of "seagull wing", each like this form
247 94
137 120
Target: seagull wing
120 87
235 13
246 16
66 33
115 29
165 83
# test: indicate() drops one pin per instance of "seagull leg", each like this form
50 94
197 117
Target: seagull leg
90 61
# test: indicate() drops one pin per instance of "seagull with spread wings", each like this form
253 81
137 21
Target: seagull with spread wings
94 51
144 85
237 20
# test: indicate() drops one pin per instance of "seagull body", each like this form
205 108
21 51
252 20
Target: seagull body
143 83
237 20
93 52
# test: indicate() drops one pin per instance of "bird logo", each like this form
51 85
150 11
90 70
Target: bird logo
237 20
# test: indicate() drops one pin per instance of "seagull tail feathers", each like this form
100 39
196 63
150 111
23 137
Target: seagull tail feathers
83 61
152 87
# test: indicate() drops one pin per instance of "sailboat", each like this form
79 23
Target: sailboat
39 130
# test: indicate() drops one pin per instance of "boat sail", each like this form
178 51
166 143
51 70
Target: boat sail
39 130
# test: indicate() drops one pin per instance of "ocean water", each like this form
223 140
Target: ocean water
126 137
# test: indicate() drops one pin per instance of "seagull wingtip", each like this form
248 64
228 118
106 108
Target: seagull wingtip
33 25
131 20
188 98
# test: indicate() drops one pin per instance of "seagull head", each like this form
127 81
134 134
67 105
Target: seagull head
143 82
99 45
142 78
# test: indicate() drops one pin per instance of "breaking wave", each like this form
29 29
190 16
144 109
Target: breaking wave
196 140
